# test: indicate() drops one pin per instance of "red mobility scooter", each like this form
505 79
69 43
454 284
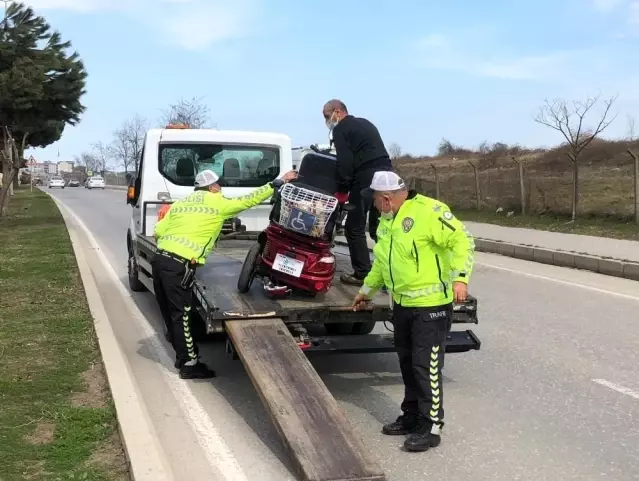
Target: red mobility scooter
294 252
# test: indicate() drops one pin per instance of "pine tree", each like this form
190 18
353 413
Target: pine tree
41 87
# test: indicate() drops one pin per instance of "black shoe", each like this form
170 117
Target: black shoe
197 371
351 280
425 437
179 363
405 424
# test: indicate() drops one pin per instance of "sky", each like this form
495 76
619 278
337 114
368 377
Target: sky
421 70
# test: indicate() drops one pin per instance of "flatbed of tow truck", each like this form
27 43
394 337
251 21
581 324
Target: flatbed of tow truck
217 301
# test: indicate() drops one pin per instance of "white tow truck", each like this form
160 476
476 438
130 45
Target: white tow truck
272 337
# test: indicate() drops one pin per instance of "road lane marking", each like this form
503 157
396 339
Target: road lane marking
561 281
617 387
146 455
217 452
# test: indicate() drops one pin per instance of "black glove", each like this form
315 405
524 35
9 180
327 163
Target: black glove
277 183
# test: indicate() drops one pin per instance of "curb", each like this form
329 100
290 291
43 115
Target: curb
145 456
600 265
116 187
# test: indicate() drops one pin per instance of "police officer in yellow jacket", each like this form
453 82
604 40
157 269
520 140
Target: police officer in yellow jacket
425 256
185 237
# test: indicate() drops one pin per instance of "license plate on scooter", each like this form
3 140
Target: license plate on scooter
288 265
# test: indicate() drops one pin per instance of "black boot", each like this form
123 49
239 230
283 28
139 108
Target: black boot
196 371
405 424
425 436
351 280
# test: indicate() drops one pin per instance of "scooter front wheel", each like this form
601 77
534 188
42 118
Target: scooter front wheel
249 268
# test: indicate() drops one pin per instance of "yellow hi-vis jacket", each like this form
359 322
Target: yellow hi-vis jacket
191 226
420 253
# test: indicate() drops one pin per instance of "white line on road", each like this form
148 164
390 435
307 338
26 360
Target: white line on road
618 388
217 452
560 281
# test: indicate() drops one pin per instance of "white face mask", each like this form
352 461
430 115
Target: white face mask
331 122
390 215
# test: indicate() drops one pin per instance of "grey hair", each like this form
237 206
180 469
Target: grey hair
394 192
335 104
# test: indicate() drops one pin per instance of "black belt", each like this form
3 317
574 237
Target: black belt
189 268
175 257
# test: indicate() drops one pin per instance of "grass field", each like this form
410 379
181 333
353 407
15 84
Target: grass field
600 227
606 179
57 421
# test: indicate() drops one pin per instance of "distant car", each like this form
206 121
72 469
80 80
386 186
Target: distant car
56 182
73 183
95 183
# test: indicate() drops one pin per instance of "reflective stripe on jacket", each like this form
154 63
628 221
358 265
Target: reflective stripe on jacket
191 226
420 253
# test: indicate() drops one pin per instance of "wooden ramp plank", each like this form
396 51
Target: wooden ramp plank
312 425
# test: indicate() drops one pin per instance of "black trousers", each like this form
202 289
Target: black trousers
355 226
175 305
420 338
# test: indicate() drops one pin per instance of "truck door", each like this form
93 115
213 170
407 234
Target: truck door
136 215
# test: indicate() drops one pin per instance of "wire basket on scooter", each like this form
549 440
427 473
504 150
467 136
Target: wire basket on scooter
305 211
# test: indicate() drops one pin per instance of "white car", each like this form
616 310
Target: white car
96 183
56 182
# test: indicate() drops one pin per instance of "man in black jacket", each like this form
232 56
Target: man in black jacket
360 153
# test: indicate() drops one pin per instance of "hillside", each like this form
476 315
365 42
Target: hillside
606 178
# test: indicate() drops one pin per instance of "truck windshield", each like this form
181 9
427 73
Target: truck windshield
237 165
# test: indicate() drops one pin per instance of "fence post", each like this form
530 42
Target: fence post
436 181
477 191
635 158
522 188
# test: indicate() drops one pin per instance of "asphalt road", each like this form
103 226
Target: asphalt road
552 395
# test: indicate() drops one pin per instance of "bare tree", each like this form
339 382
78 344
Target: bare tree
632 137
128 141
394 150
89 161
631 134
136 130
102 155
194 113
121 149
570 121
